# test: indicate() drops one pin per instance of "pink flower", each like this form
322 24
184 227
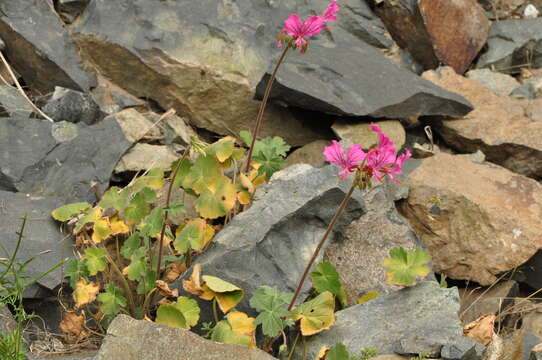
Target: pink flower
299 30
335 154
383 160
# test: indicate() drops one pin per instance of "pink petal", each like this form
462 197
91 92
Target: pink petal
313 26
293 25
334 153
331 11
355 155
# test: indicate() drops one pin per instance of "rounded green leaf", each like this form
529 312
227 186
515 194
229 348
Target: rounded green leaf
217 199
184 313
66 212
205 172
403 267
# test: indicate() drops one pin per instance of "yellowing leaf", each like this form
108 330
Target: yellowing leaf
227 295
153 180
222 149
368 297
184 313
118 226
246 183
236 329
402 266
66 212
84 293
193 285
317 314
205 171
102 230
481 329
195 235
322 353
244 197
92 216
217 199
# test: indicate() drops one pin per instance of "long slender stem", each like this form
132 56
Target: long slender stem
168 198
330 227
259 119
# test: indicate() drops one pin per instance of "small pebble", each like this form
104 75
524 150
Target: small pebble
530 12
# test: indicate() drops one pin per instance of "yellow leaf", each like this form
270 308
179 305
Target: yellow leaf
317 314
102 230
322 353
73 325
193 285
243 324
246 183
118 226
244 197
481 329
368 297
84 293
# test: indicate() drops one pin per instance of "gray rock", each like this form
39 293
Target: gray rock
85 355
112 98
40 48
513 42
530 272
525 91
73 106
367 241
145 157
130 339
42 239
69 10
13 103
7 323
46 160
368 84
271 242
500 84
410 321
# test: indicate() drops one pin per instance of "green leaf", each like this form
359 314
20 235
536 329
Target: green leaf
112 300
154 180
137 210
148 194
217 200
138 264
114 198
338 352
130 245
152 224
75 270
66 212
271 304
269 162
403 267
184 313
317 314
246 137
275 145
205 172
326 278
184 169
368 297
147 282
175 209
227 294
237 329
95 259
91 216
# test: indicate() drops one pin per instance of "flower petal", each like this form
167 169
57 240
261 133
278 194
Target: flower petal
331 11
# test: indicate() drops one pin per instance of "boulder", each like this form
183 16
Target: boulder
311 154
413 320
506 130
367 241
513 43
271 242
477 219
354 132
500 84
66 160
40 48
145 157
433 31
73 106
42 239
131 339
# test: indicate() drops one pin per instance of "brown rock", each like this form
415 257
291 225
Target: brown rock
477 219
146 156
7 324
311 154
112 98
131 339
479 302
361 133
503 128
458 29
134 125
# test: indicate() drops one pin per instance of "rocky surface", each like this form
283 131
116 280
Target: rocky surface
413 320
351 132
513 42
367 241
146 156
73 106
7 323
492 300
309 154
42 239
13 103
477 219
271 242
514 137
40 48
500 84
62 159
131 339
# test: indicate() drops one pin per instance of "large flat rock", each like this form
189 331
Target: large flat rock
477 219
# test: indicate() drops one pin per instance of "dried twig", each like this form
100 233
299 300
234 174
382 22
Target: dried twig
20 89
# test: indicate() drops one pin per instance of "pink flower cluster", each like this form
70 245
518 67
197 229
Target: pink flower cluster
378 161
298 30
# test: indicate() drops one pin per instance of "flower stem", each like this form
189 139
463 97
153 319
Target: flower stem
259 119
330 227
